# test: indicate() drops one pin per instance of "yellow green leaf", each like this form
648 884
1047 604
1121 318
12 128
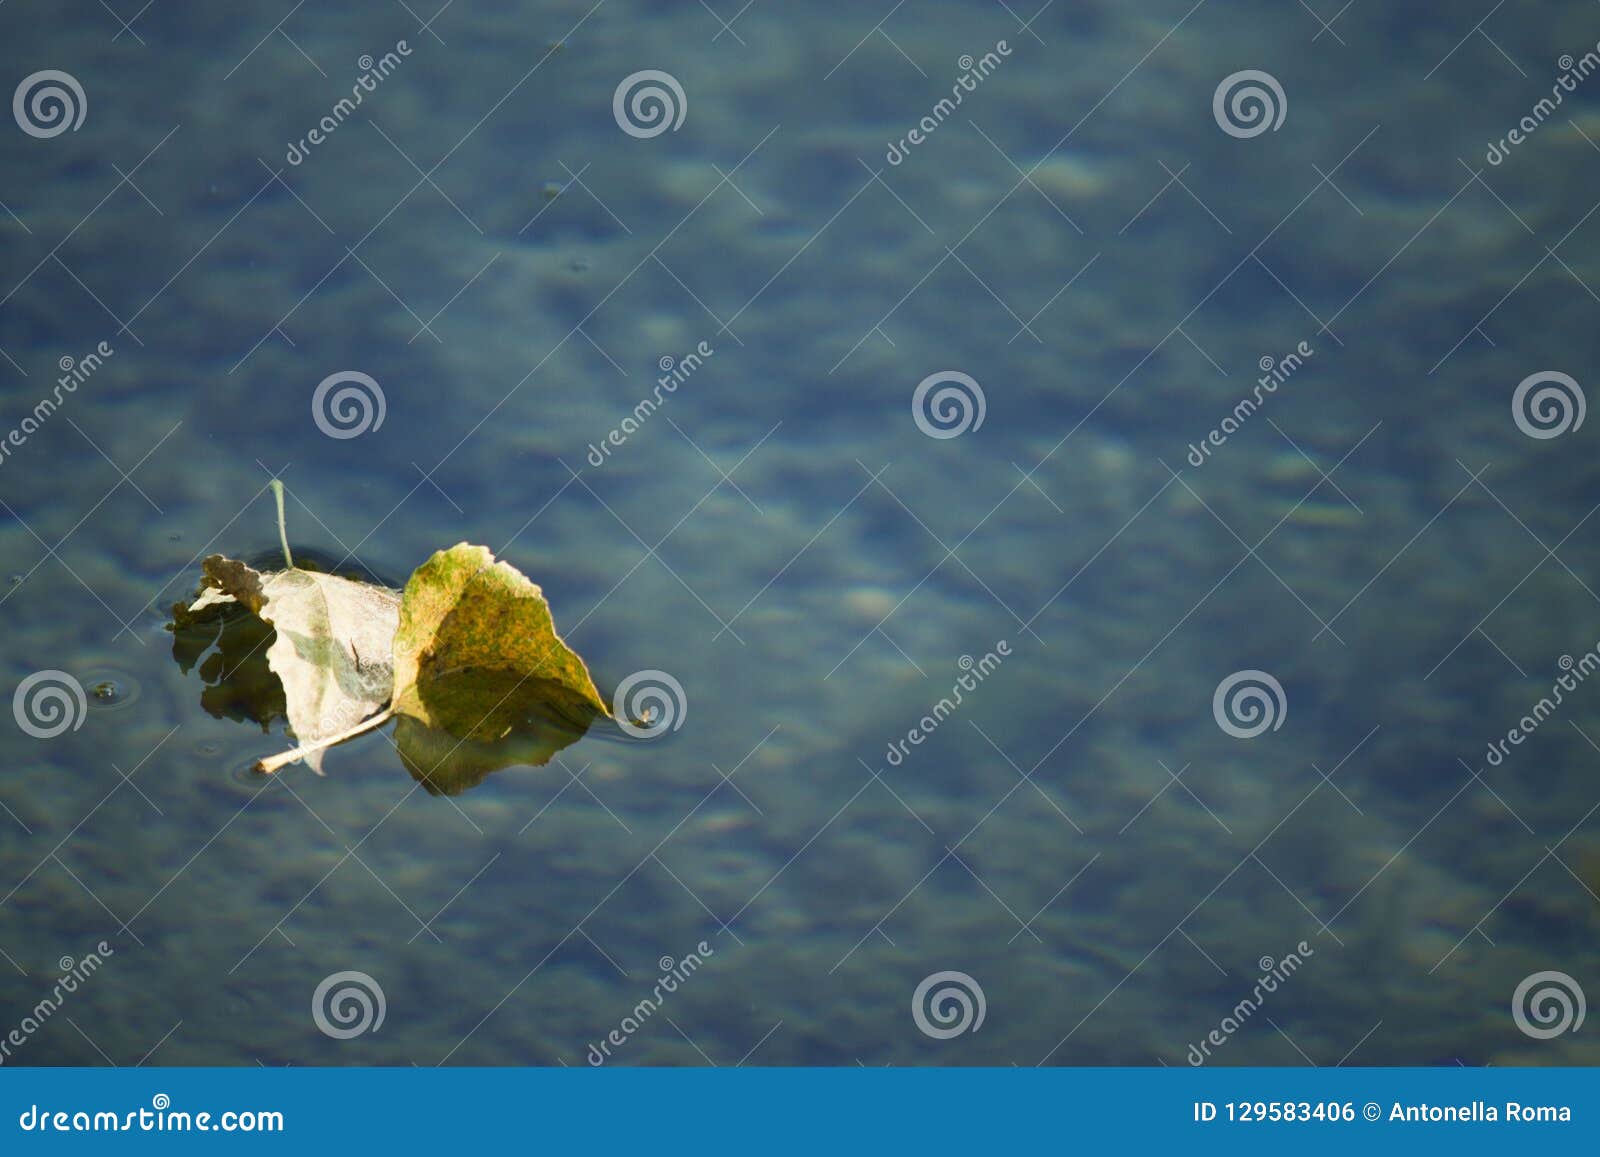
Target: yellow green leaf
476 652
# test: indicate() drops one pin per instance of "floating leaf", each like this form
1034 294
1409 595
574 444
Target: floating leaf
468 657
333 646
476 651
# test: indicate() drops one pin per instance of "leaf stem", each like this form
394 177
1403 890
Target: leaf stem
283 533
273 762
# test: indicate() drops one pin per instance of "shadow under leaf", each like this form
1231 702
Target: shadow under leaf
229 644
500 720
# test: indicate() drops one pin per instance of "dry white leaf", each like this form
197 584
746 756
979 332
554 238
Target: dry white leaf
334 644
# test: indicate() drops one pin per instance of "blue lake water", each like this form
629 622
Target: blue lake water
1104 490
